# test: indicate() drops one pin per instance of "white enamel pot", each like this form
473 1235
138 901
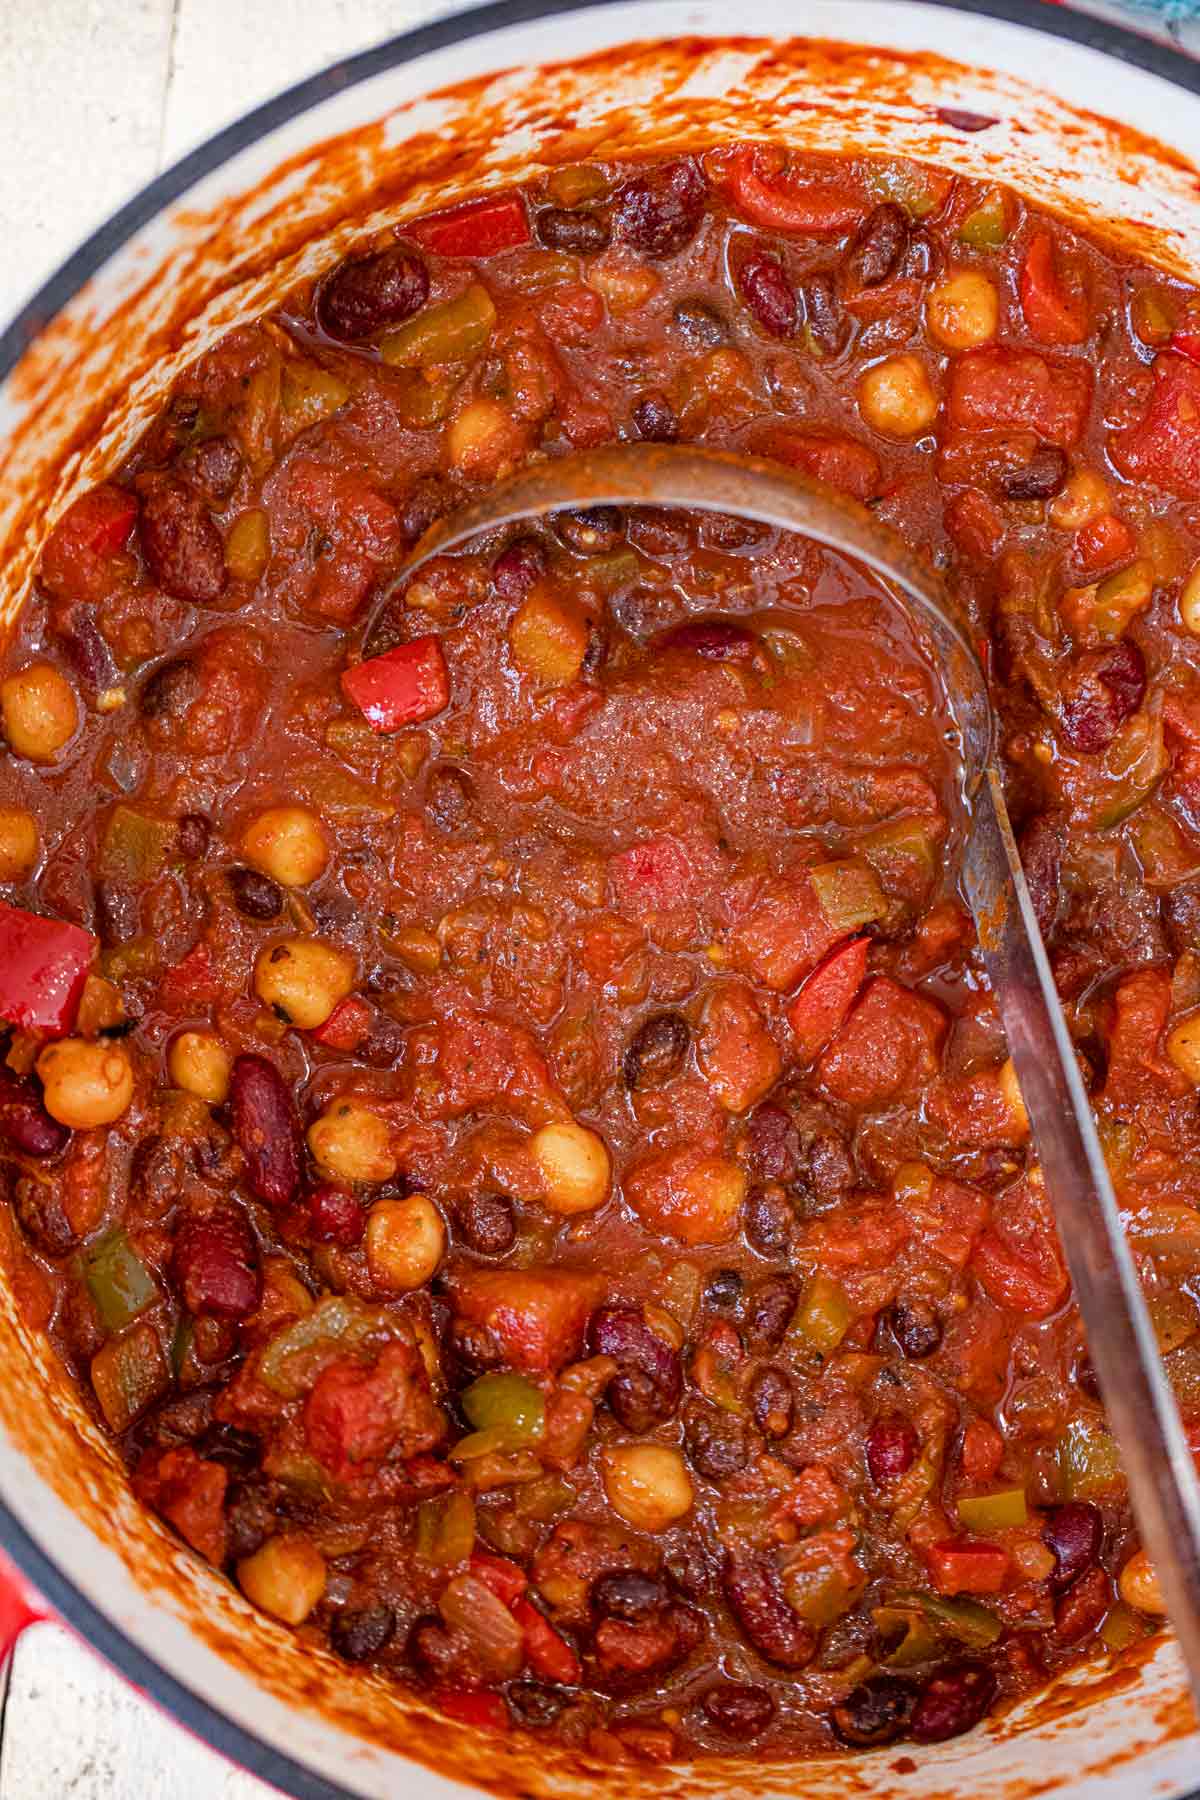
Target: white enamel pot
1090 120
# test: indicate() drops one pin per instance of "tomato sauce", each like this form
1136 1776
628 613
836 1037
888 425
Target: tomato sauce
502 1105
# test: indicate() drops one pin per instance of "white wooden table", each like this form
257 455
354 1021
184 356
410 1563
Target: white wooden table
95 97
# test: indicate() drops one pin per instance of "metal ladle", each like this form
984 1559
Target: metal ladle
1141 1408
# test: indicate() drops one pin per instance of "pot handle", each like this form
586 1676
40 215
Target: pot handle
20 1606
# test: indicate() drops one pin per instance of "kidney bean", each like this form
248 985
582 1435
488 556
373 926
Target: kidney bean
772 1143
449 798
1041 859
255 895
487 1223
39 1207
716 640
181 543
723 1290
194 835
768 1311
591 530
170 690
916 1328
661 211
951 1702
654 418
579 233
1044 475
366 293
725 531
769 294
214 1264
336 1216
876 1712
266 1129
180 1420
474 1346
752 1588
772 1402
656 1052
1081 1609
823 316
427 500
25 1125
716 1442
518 566
700 325
215 467
627 1594
86 650
892 1446
1100 690
739 1709
878 245
628 1656
358 1635
118 914
647 1387
1073 1532
767 1220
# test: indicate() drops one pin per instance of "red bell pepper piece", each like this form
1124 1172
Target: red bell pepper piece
823 1003
1103 542
506 1579
190 982
548 1654
487 1712
766 196
348 1026
1055 312
401 687
477 228
1187 343
43 966
964 1568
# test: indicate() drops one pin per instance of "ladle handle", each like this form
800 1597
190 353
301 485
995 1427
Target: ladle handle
1163 1487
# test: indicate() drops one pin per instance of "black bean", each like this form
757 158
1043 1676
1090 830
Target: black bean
230 1446
170 690
916 1328
1044 475
579 233
876 1712
366 294
359 1635
194 834
535 1703
767 1219
738 1709
878 246
626 1594
654 418
487 1223
474 1347
723 1290
254 894
656 1052
118 917
250 1518
700 325
449 798
768 1311
716 1442
39 1207
592 530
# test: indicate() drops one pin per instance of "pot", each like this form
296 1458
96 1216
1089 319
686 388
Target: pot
1086 119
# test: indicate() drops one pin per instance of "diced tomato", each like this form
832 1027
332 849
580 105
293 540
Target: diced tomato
607 944
477 228
537 1316
348 1025
44 964
976 1111
764 191
191 982
189 1492
784 936
572 313
356 1416
1163 446
821 1006
480 1060
548 1654
965 1568
1103 542
401 687
486 1712
1017 1259
1052 299
999 389
888 1046
735 1052
77 560
1187 343
506 1579
975 524
687 1193
1138 1072
650 877
947 1218
833 457
982 1451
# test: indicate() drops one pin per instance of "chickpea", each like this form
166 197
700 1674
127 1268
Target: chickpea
1014 1100
286 1577
287 843
1189 603
303 979
406 1241
963 309
1085 498
1183 1047
39 711
86 1083
547 640
895 397
575 1167
351 1143
19 843
648 1485
484 440
199 1063
1139 1586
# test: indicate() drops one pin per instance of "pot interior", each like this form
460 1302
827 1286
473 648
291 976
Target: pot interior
412 126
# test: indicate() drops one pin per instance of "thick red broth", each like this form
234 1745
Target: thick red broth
501 1105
